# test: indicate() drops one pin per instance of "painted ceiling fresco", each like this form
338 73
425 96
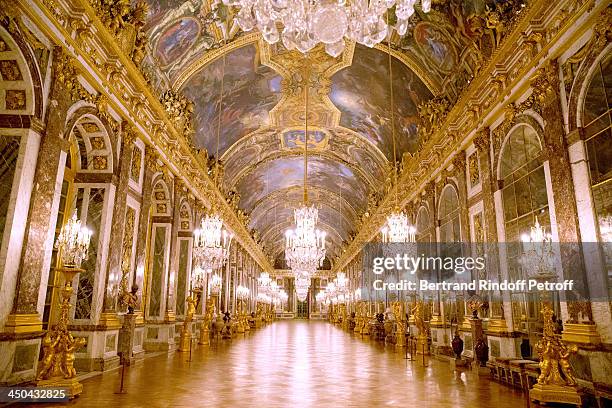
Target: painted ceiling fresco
288 172
362 94
250 90
260 145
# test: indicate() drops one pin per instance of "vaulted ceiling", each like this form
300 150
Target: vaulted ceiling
256 126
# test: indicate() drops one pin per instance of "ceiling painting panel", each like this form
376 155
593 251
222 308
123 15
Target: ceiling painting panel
289 172
362 94
251 90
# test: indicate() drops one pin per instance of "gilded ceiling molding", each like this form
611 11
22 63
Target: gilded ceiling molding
467 113
128 93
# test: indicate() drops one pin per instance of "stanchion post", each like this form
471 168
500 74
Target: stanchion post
121 390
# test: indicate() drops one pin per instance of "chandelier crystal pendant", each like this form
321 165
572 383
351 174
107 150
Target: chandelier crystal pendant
302 285
214 285
305 24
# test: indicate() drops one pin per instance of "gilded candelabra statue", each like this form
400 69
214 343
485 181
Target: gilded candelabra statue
556 382
208 318
56 369
59 346
419 322
400 324
192 304
365 328
358 317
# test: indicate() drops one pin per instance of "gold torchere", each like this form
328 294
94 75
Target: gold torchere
343 314
243 315
366 319
239 320
419 322
192 303
556 382
208 317
400 324
56 369
358 317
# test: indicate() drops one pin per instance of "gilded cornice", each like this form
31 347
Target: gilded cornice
529 42
102 64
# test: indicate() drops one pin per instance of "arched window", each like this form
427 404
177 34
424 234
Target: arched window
523 183
450 226
524 198
597 120
424 226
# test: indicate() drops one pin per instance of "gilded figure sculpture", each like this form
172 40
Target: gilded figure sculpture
554 355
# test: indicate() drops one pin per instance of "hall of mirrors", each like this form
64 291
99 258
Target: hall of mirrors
200 181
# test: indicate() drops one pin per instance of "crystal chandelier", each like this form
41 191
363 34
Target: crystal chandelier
538 255
263 298
305 245
242 292
73 243
397 229
214 285
264 283
307 23
302 284
211 243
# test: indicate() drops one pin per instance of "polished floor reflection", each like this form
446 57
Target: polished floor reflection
295 364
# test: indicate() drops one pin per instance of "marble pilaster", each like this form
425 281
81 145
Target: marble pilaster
489 185
150 168
40 228
546 93
179 192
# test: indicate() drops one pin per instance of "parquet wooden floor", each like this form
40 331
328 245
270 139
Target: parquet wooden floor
295 364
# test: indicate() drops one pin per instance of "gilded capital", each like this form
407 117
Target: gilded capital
152 159
545 82
459 161
482 141
129 134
